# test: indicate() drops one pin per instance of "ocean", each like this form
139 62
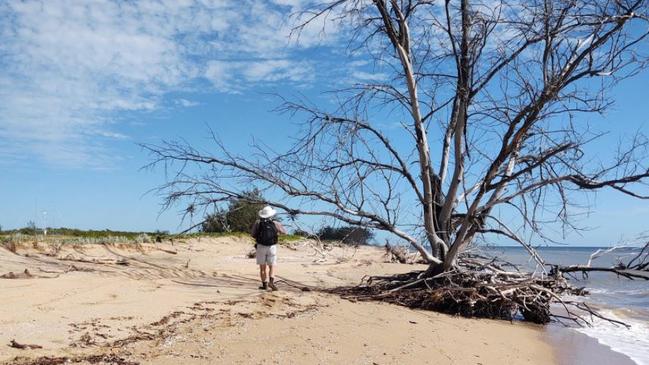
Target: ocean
618 298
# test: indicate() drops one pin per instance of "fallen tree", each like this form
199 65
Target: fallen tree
635 268
498 88
491 288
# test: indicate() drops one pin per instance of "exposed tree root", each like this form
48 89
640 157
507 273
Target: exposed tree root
477 288
467 293
492 288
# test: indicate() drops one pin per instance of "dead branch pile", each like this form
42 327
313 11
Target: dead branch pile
402 255
487 287
478 288
61 360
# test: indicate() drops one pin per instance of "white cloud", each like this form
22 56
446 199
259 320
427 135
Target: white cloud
291 3
235 76
186 103
67 68
369 76
113 135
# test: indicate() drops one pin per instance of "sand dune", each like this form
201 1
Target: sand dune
197 302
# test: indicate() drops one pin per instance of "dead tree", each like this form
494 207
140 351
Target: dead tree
481 101
636 267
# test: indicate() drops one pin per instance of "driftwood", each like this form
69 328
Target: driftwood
26 274
70 268
101 261
167 251
396 254
86 359
472 291
486 287
629 274
21 346
401 255
23 275
636 268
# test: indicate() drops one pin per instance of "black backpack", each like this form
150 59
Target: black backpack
266 233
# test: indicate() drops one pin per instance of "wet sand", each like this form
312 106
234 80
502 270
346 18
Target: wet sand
197 302
574 348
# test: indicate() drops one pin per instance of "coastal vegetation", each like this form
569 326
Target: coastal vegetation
346 234
238 216
73 236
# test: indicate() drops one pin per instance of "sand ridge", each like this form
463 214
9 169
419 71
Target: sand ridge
197 302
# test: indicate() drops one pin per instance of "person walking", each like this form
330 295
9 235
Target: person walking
265 231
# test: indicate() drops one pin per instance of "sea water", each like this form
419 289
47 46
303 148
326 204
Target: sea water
615 297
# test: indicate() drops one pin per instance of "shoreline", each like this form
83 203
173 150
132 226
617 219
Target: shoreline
575 348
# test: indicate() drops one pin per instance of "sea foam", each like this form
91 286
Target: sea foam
632 342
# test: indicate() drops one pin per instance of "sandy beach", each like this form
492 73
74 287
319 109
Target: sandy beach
196 302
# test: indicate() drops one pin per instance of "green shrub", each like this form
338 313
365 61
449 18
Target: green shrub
239 216
288 238
301 233
347 234
30 229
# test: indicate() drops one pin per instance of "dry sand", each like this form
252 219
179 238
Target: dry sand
201 305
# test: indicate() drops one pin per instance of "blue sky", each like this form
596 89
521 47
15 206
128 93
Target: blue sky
82 83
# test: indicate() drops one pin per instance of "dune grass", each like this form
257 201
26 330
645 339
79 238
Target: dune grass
11 239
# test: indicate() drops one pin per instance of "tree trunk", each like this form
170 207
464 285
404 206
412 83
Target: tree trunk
401 41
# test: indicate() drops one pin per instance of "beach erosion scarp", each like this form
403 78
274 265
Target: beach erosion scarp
196 301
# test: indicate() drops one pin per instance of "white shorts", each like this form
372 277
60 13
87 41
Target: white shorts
266 255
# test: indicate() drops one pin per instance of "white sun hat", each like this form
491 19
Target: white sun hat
267 212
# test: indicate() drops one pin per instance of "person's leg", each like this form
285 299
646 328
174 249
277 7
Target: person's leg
262 272
262 275
272 261
261 261
271 273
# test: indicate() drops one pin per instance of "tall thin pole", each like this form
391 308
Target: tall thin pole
44 223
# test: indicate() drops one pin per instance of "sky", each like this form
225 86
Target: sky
83 83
